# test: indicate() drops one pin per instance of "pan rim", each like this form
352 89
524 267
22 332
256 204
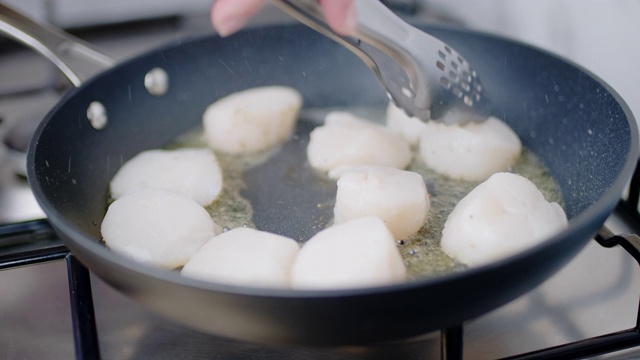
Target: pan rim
601 208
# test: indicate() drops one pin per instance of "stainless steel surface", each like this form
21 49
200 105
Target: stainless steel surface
75 13
427 78
97 115
596 293
76 59
156 81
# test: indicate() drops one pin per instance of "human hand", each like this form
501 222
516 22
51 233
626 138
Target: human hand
229 16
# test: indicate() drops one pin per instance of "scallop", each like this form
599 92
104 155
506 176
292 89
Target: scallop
194 173
245 257
346 139
398 197
502 216
252 120
409 127
470 152
157 227
355 254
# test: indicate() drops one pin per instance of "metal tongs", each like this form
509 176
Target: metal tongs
422 75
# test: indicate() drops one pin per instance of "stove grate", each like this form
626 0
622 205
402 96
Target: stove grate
35 242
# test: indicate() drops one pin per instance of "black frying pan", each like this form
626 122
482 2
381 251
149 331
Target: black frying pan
580 127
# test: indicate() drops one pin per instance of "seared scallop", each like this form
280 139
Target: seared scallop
410 128
194 173
157 227
245 257
502 216
470 152
396 196
355 254
252 120
346 139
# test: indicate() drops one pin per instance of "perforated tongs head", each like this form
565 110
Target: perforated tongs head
422 75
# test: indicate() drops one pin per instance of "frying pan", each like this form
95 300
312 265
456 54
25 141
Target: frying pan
578 125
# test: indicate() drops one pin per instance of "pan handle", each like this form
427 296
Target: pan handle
77 60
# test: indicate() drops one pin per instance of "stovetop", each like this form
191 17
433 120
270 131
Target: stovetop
596 293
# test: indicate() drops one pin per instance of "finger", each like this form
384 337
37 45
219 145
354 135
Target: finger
229 16
341 15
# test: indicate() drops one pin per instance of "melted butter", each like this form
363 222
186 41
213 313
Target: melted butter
421 252
230 210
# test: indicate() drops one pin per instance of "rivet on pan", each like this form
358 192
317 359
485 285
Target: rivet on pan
156 82
97 115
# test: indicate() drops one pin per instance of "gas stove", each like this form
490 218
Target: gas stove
52 308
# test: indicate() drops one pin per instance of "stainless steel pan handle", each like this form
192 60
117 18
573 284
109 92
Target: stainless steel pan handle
77 60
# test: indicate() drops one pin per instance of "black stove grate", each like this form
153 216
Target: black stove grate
452 344
35 242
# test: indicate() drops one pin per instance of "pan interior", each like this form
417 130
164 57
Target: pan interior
279 192
579 127
566 117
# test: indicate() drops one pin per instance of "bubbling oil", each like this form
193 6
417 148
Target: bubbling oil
421 252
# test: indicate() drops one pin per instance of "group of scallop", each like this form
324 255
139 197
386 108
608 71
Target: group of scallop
158 215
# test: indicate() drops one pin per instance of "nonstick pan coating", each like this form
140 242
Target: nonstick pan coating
581 129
